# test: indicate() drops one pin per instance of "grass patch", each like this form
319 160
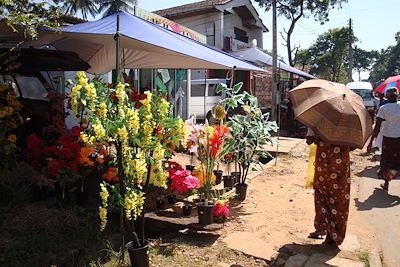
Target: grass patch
364 257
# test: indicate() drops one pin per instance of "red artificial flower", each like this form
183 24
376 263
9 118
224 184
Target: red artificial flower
173 167
217 138
76 131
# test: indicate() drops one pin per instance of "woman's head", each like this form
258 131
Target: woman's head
391 94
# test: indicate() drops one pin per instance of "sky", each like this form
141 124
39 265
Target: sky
374 23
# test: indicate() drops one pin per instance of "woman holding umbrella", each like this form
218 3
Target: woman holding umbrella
390 158
340 122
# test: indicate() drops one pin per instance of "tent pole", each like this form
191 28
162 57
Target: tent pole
117 48
279 120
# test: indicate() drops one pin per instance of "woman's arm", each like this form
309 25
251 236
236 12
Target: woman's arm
376 131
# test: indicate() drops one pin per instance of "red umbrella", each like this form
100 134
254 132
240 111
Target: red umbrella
392 81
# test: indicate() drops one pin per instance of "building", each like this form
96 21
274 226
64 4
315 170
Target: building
227 24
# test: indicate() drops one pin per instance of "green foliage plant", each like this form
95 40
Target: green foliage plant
250 128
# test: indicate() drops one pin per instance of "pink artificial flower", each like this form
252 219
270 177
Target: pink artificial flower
221 209
183 181
194 149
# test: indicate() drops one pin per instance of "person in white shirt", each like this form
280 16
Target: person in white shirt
390 158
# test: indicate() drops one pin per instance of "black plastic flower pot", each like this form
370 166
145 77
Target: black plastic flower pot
82 197
229 181
236 176
39 193
241 191
218 175
189 167
187 210
205 213
171 199
160 204
139 256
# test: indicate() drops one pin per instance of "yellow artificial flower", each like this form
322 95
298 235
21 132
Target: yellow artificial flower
86 139
133 116
2 113
103 109
104 194
103 218
12 138
99 130
123 134
164 106
219 112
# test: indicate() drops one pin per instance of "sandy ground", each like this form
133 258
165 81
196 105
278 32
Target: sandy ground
279 211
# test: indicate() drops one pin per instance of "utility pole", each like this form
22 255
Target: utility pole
274 82
350 69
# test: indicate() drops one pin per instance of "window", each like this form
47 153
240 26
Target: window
31 87
197 89
212 90
241 35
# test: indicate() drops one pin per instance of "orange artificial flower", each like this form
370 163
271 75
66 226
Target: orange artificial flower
111 175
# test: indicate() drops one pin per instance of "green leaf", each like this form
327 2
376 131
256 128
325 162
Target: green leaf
161 86
236 88
220 88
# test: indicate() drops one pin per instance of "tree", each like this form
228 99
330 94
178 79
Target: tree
296 9
86 7
387 62
25 16
363 60
112 6
328 55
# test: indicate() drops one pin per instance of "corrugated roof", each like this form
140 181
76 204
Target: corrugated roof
189 8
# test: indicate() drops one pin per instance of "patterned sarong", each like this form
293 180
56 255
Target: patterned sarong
332 190
390 158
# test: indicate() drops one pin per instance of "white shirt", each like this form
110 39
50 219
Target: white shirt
390 112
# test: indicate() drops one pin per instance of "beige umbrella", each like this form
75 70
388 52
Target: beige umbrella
336 113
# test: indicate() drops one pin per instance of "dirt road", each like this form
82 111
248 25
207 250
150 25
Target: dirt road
280 212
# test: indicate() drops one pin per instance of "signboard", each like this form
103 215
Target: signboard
169 24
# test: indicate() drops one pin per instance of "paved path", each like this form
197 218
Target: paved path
382 210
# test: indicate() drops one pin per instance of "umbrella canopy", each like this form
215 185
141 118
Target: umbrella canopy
335 112
255 55
392 81
143 45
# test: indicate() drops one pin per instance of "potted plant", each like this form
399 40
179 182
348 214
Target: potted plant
208 143
221 208
251 131
141 132
183 182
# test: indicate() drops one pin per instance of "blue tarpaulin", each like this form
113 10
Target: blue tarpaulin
143 45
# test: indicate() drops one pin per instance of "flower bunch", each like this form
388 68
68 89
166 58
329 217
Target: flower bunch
208 143
10 119
183 181
221 209
136 128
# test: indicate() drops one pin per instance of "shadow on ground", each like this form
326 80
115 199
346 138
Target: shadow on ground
325 253
379 199
369 172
